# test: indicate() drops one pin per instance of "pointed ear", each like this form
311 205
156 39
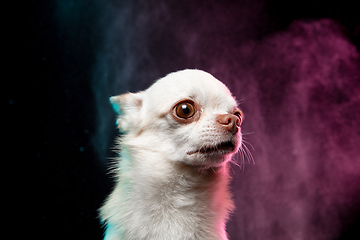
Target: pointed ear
127 106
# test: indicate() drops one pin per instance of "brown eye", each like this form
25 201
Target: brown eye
185 110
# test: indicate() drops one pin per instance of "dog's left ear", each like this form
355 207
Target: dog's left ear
127 106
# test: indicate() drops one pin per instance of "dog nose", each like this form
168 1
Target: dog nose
230 122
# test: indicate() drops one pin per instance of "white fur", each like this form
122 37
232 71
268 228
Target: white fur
165 189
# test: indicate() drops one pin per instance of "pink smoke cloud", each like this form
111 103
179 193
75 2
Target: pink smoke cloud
304 114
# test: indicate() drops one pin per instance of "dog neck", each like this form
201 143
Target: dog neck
173 201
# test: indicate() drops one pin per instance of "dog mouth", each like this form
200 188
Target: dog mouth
221 148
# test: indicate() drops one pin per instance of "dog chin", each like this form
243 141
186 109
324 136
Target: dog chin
216 154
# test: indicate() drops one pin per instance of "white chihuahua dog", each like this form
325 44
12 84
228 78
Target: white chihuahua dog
172 175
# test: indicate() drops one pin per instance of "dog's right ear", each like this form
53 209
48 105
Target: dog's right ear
127 106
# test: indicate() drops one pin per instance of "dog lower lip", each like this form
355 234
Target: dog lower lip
221 148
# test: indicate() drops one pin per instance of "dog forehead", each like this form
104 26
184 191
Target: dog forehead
189 84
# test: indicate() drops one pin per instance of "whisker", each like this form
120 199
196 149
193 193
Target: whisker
231 167
241 154
246 133
242 158
244 99
237 160
252 147
247 152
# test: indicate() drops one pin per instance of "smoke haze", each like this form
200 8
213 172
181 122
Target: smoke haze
300 92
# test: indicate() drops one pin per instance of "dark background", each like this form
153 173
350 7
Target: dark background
54 167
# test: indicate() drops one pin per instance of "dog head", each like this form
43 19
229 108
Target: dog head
187 116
